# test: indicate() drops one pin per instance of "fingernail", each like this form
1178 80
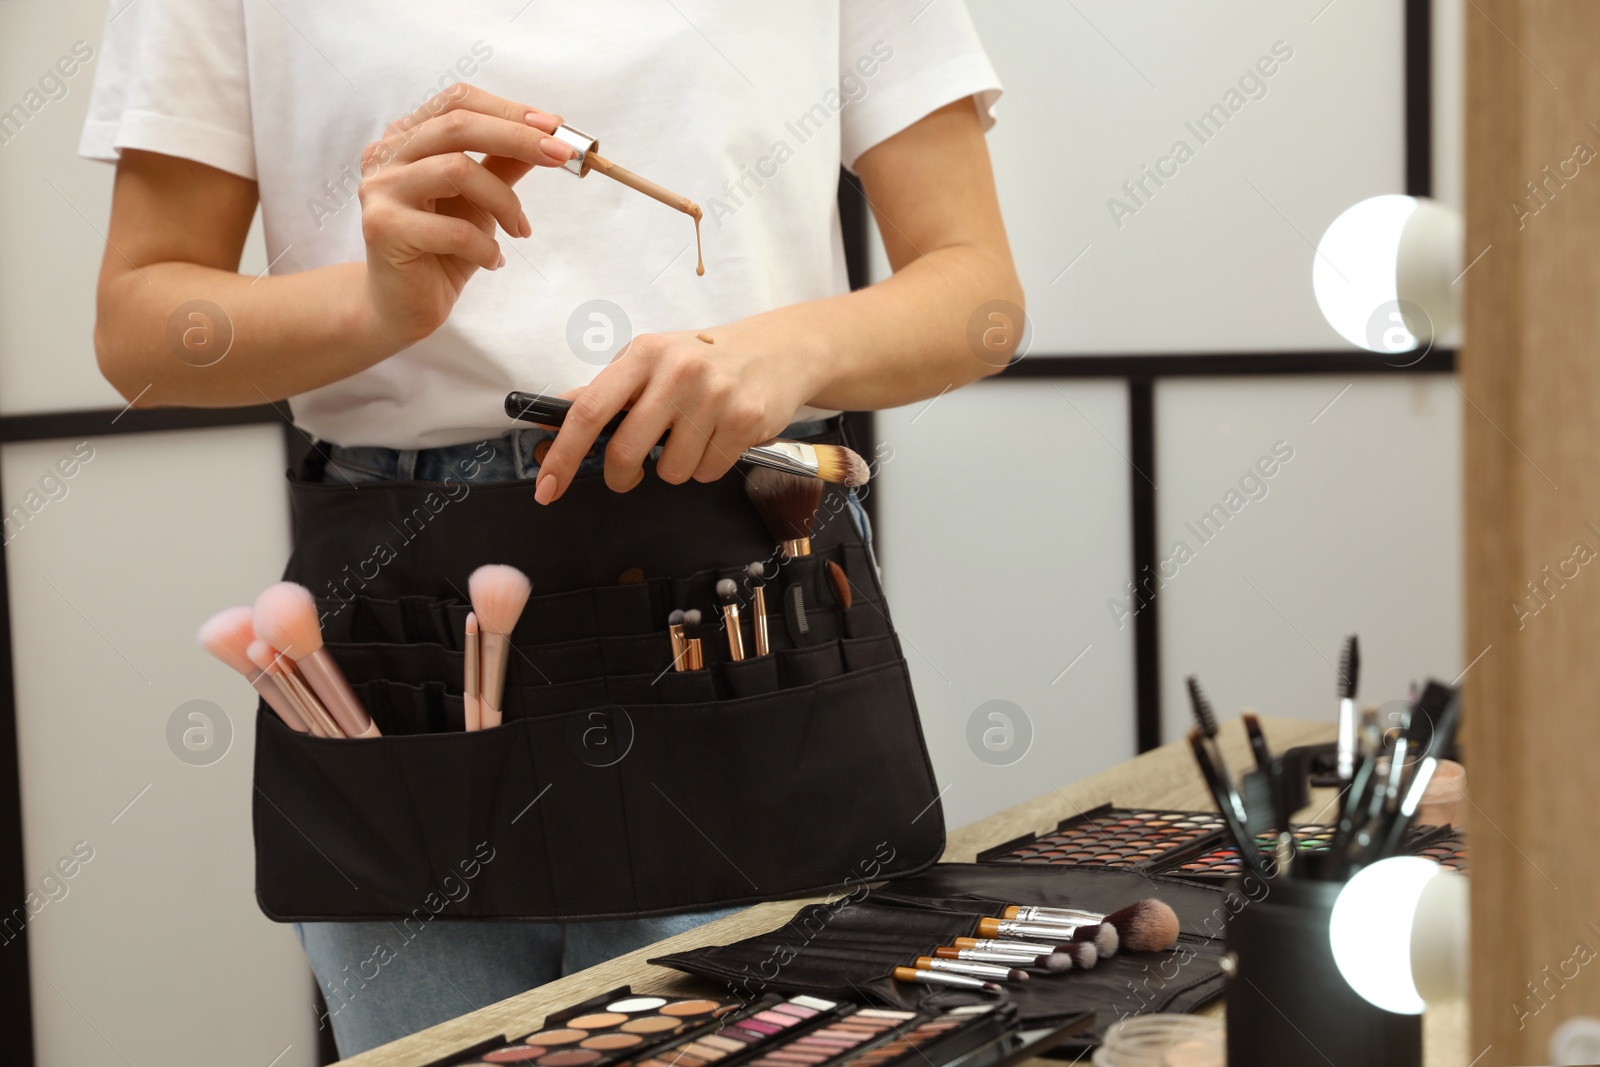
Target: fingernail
545 490
502 262
555 149
527 227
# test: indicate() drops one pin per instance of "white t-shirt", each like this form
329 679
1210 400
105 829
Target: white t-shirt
748 108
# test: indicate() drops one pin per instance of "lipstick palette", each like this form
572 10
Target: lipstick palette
1136 838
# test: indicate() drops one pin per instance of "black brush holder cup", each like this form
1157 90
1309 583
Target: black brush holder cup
1287 1002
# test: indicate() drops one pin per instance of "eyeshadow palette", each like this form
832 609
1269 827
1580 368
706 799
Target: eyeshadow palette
838 1041
1221 860
751 1034
941 1039
1138 838
609 1029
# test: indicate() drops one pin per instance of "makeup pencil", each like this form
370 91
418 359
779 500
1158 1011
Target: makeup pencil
728 593
1349 672
757 573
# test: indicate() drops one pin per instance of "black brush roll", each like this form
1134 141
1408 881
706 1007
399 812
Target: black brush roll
616 786
851 946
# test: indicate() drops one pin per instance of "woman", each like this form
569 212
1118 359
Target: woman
427 257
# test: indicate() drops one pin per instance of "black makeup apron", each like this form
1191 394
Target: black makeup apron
616 786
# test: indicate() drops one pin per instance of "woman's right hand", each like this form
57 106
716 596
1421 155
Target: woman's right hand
429 210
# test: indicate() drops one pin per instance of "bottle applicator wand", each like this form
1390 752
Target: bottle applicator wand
586 157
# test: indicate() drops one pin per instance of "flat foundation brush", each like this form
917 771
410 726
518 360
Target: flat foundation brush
830 463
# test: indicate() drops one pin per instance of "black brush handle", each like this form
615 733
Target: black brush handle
551 411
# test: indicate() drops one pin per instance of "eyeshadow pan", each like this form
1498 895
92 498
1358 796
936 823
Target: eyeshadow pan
598 1021
651 1024
515 1054
569 1057
611 1042
684 1008
630 1005
557 1037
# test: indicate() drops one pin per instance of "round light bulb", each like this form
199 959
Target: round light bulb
1371 931
1385 270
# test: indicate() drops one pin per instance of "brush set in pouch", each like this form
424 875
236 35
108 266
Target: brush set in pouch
599 714
1054 941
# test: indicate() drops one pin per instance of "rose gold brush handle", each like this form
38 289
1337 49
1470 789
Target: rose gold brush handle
279 701
759 622
295 688
493 651
730 619
328 682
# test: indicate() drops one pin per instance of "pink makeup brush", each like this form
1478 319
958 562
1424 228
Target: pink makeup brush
470 684
227 636
286 617
499 593
275 663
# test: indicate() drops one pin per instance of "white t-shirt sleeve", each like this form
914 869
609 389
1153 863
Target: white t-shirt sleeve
173 78
919 59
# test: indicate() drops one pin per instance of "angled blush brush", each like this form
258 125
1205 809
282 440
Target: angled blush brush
282 668
227 635
285 615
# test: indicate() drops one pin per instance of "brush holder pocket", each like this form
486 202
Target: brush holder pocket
1287 1002
850 947
616 785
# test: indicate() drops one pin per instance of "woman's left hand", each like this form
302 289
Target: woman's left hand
717 399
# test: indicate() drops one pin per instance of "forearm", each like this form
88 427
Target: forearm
289 333
896 342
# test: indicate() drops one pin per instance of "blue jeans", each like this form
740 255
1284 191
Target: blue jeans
382 982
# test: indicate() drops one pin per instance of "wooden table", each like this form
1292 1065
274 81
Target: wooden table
1164 778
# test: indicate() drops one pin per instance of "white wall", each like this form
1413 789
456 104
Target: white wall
1359 532
157 953
997 540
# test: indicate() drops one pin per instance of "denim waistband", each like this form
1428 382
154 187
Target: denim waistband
517 455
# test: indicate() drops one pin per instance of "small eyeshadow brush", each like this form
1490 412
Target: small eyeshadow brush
757 573
840 584
680 646
694 654
728 593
